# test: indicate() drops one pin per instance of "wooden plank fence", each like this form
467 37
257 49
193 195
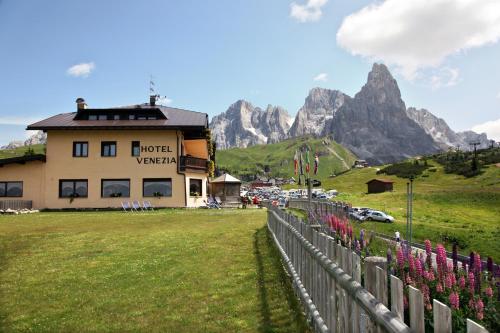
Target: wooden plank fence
326 277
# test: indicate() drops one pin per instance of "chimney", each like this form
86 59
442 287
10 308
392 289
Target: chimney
152 100
80 103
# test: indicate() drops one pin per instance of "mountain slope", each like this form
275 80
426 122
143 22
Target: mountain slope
278 158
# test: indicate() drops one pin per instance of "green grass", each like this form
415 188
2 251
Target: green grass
446 207
279 158
166 271
6 153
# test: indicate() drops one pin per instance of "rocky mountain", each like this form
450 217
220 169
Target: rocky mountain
316 116
37 138
374 124
243 125
439 130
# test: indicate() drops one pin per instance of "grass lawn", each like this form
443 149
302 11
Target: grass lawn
7 153
446 207
165 271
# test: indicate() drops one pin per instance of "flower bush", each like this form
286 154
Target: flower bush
466 288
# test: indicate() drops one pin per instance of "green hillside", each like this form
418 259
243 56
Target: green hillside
447 207
6 153
278 158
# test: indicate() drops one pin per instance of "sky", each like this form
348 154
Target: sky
205 55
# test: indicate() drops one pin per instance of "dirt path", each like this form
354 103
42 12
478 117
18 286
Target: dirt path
338 156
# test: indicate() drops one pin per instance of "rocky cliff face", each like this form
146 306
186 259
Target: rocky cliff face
37 138
442 134
243 125
375 126
316 116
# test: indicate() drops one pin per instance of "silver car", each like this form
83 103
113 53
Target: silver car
376 215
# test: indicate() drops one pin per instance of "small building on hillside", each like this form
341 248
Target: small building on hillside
360 164
379 185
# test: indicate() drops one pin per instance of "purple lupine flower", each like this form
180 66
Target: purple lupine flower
477 271
362 238
489 292
471 260
454 256
411 266
422 260
489 268
454 300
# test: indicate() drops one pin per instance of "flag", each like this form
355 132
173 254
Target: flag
300 164
308 164
296 162
316 163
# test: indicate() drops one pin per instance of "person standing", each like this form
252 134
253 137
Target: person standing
397 236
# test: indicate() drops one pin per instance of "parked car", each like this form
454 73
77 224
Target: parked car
375 215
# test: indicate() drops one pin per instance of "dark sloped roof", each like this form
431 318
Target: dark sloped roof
380 180
175 118
22 159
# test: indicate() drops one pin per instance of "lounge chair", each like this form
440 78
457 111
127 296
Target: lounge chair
212 202
218 201
147 205
136 205
126 206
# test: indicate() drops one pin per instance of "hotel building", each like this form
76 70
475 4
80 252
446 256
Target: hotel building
99 158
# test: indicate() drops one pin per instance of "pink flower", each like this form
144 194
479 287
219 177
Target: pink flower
461 282
479 309
418 268
431 276
477 263
447 281
428 252
411 265
471 282
400 258
439 288
489 292
454 300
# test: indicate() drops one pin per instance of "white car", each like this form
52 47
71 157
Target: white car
376 215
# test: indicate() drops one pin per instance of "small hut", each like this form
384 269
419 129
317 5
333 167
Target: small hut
379 185
227 188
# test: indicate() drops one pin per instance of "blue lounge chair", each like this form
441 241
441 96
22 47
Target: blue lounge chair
136 205
147 205
126 206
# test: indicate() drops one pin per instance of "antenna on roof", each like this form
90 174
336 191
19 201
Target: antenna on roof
151 85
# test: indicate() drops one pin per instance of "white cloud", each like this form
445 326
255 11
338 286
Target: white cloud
321 77
81 70
14 120
416 34
445 77
491 128
311 11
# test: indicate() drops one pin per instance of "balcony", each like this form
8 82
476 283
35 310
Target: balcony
189 163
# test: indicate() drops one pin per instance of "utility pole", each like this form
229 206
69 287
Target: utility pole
474 160
411 210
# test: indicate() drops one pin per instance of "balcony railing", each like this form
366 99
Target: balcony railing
193 163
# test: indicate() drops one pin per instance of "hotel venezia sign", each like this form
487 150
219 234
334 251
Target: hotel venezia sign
157 159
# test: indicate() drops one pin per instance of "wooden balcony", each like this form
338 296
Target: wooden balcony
189 163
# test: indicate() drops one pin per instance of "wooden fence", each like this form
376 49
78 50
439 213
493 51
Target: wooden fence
327 279
16 204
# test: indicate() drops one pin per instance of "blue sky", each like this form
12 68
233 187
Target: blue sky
205 55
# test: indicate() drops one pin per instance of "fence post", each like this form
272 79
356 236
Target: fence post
332 291
442 317
397 303
416 300
473 327
356 275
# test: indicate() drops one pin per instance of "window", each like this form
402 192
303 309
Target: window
116 117
103 117
195 187
141 118
136 148
11 189
157 187
115 188
151 117
131 117
73 188
92 117
108 148
80 149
